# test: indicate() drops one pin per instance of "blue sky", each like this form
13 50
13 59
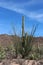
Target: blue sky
11 12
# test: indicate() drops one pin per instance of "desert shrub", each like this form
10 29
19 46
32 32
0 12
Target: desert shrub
16 45
27 42
10 47
2 53
10 51
41 52
25 46
34 56
36 53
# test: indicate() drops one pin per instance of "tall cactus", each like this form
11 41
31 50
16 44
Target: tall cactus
26 45
22 26
23 31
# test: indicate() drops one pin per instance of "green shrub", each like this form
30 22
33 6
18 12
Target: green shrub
11 50
2 53
34 56
25 46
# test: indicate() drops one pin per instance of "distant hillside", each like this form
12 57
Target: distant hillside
6 40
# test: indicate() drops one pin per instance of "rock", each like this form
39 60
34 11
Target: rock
41 62
31 62
37 63
18 61
1 63
6 62
25 62
21 62
13 63
19 56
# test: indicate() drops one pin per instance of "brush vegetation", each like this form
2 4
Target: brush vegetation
25 49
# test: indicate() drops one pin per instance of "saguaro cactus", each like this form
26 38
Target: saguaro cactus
22 26
23 31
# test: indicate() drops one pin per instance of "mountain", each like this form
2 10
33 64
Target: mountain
6 40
